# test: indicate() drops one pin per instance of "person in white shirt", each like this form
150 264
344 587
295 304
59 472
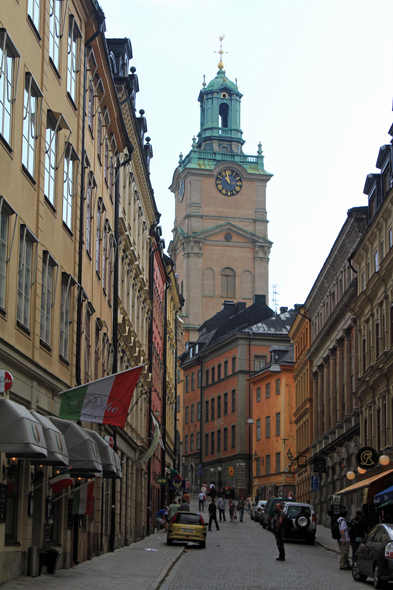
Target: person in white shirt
201 498
344 540
221 507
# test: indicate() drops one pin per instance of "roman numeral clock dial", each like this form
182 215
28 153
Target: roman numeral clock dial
229 183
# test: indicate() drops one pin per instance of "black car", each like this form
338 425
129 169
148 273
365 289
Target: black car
374 556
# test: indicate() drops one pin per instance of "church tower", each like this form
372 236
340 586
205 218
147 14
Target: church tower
220 242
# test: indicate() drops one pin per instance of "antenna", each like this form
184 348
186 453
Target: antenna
274 299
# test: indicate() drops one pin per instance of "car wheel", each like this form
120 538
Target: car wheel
378 583
169 541
302 521
202 544
356 574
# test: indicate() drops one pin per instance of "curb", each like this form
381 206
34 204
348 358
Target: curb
161 578
327 548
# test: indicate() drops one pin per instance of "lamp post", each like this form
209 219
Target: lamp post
219 469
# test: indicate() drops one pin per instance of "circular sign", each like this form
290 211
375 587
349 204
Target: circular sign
6 381
110 440
367 458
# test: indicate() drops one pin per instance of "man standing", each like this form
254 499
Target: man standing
173 508
344 540
201 498
221 507
280 533
241 504
357 531
213 514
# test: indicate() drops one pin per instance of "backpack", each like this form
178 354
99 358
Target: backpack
336 533
352 529
288 522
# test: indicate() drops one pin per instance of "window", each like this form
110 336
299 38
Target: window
192 413
191 443
233 401
50 159
74 58
106 162
258 394
225 368
259 429
89 212
105 256
90 111
55 32
99 136
89 313
219 406
233 436
65 306
33 10
390 237
199 378
267 390
212 443
111 177
69 186
228 279
5 212
233 364
278 462
259 362
267 464
48 265
178 403
206 444
32 104
267 426
382 249
377 340
187 383
218 371
96 349
207 377
98 239
376 267
218 441
25 276
277 386
225 404
9 66
212 408
198 441
278 424
186 444
225 439
192 381
187 412
213 374
363 281
198 410
207 411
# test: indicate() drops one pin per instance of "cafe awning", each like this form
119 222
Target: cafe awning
55 443
384 496
21 435
106 455
82 450
365 482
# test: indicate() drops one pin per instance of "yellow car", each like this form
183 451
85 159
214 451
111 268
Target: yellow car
189 527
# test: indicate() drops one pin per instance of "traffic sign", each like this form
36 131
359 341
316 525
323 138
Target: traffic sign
230 470
6 380
314 483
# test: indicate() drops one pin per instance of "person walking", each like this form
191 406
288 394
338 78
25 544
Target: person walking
280 532
248 505
344 540
201 498
212 491
173 508
232 509
186 497
221 507
213 514
184 506
357 530
240 506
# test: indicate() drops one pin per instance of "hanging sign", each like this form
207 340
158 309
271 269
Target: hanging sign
367 458
320 465
110 441
6 381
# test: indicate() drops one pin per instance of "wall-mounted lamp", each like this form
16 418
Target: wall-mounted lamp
256 456
289 455
219 469
10 470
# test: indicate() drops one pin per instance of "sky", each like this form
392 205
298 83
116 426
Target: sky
316 79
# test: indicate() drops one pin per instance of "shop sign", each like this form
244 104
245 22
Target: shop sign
367 458
162 481
320 465
6 381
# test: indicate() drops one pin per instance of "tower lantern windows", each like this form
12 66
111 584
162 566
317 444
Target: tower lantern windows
223 114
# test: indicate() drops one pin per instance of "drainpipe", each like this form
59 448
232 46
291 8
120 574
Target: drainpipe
200 363
250 486
164 392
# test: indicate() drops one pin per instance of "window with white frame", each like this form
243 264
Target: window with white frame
50 159
25 275
258 429
90 198
90 111
47 296
65 314
87 328
33 10
99 136
376 266
106 162
55 32
5 245
32 106
105 255
74 56
9 69
100 208
70 182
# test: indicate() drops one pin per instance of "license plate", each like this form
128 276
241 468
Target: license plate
187 530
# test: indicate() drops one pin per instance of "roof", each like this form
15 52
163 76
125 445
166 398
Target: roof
278 324
221 81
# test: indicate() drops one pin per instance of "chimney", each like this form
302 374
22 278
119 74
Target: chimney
260 300
283 309
240 306
228 304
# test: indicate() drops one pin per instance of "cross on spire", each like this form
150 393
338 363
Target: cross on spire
221 52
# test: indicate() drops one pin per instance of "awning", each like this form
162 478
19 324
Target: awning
21 435
384 496
385 505
82 450
365 482
106 455
55 443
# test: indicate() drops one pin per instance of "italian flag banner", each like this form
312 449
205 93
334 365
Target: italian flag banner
105 401
60 482
82 499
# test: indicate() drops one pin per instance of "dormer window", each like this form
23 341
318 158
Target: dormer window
372 203
386 180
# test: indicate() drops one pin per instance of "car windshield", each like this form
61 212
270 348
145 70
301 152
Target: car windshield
294 511
185 518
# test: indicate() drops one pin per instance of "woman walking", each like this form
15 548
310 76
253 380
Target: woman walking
231 509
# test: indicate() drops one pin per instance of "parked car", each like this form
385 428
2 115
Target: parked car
270 509
304 521
257 510
187 526
374 557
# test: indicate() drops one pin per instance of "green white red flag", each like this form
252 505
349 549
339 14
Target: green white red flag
83 498
105 401
60 482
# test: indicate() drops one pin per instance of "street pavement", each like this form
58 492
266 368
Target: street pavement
241 555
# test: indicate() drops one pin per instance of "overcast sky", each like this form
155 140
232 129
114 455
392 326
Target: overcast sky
316 79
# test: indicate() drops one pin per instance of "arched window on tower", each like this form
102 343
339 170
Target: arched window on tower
247 285
223 113
228 283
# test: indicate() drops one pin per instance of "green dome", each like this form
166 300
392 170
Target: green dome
220 81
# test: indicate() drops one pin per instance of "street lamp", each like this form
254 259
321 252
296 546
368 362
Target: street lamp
219 469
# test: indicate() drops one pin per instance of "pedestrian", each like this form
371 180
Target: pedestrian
231 509
221 507
201 498
357 530
240 506
344 540
160 517
213 514
173 508
186 497
280 532
248 505
291 496
184 506
212 491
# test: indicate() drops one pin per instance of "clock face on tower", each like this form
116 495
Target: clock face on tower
229 183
